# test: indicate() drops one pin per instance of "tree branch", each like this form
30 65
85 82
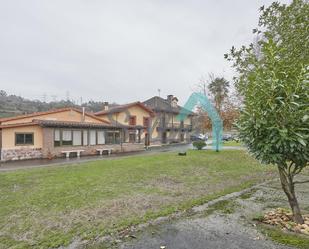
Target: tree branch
300 182
289 167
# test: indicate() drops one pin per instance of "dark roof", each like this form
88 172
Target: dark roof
71 124
120 108
52 123
158 104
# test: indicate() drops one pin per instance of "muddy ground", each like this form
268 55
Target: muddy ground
227 223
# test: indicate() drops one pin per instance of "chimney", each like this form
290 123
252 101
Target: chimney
83 117
169 98
105 106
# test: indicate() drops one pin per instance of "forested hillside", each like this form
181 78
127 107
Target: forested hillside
12 105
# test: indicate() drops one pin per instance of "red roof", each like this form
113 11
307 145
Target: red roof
35 114
18 125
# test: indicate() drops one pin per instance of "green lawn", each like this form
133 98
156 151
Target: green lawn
294 240
232 143
49 207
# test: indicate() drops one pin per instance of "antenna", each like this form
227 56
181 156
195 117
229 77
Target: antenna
54 97
159 91
67 96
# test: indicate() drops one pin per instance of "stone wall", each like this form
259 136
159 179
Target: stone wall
127 147
20 154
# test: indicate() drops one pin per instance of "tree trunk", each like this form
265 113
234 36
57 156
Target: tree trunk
288 188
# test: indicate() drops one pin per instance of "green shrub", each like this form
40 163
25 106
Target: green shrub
199 144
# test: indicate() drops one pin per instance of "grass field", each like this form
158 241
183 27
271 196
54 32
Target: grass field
232 143
49 207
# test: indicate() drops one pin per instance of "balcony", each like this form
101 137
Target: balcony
174 127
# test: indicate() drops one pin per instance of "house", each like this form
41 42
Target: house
167 126
135 118
52 133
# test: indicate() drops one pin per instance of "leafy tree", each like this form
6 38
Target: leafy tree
219 88
273 79
3 93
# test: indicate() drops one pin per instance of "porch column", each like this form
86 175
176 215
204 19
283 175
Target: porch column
139 135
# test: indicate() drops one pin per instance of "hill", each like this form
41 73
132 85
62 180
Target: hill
12 105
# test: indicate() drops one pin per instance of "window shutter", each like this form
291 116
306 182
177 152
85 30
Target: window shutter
101 137
77 138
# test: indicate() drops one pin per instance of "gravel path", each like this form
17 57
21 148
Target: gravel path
215 232
229 228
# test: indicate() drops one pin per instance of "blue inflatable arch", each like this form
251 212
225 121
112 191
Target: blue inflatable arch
217 124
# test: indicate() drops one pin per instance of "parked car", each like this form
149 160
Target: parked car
199 137
204 137
227 137
195 138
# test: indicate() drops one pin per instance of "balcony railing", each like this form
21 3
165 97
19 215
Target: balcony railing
175 126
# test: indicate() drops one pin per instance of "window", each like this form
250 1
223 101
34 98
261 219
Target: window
67 137
77 138
146 122
117 137
81 137
113 137
24 138
132 120
110 137
85 137
132 137
92 137
101 137
57 138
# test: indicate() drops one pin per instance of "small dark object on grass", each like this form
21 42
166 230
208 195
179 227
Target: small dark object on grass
183 153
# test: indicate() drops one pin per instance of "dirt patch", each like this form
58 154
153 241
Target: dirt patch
166 183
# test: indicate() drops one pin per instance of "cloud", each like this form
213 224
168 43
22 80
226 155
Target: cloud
118 50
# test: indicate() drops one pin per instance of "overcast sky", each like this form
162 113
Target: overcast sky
118 51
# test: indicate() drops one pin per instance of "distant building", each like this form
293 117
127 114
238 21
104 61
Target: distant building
136 117
166 126
120 128
56 132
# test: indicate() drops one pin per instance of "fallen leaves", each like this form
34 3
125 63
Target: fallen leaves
283 219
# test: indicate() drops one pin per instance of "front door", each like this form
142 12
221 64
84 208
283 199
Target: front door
182 137
164 137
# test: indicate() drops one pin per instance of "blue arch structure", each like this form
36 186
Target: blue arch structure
217 124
